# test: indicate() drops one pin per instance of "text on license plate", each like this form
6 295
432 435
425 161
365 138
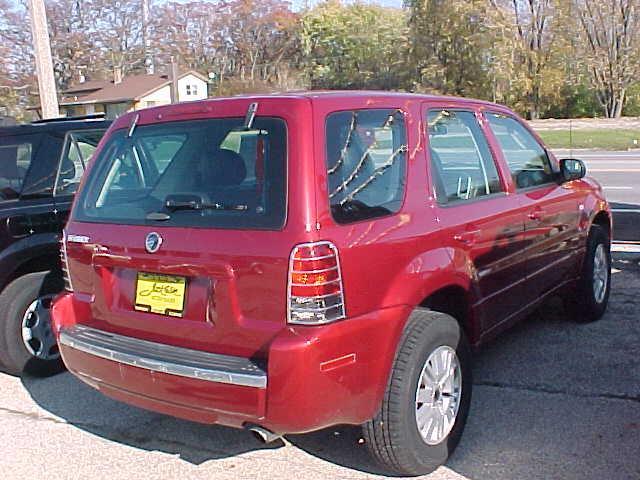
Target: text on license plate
163 294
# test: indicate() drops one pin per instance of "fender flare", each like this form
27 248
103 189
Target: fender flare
26 249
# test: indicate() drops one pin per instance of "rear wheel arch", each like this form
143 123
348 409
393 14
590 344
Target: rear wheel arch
35 253
603 220
391 437
38 263
454 300
451 299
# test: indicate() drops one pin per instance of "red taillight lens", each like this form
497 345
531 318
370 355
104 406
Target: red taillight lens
315 293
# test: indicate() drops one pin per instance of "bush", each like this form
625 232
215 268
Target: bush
632 106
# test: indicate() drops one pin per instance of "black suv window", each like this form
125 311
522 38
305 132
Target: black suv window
366 163
462 167
79 146
16 154
527 160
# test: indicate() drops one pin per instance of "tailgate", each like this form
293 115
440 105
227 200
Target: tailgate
234 284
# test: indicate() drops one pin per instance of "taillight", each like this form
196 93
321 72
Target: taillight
315 293
64 264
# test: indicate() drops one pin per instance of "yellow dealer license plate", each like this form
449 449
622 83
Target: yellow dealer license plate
163 294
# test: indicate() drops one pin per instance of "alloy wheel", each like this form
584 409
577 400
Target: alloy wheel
37 334
438 395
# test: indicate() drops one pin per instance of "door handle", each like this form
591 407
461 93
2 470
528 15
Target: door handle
468 237
536 214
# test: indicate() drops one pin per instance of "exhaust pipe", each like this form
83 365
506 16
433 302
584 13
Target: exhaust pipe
264 435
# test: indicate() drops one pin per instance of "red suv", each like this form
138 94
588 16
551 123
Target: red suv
286 263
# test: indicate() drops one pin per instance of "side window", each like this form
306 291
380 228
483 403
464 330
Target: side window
462 166
527 160
366 163
79 146
15 159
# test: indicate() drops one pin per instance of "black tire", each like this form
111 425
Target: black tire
15 299
392 435
581 303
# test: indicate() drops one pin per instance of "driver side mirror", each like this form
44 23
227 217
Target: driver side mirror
572 169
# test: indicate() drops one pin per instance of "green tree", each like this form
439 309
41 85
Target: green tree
530 37
450 46
354 46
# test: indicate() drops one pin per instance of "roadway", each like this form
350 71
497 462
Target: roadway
619 174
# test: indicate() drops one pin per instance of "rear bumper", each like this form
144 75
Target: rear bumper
314 377
168 359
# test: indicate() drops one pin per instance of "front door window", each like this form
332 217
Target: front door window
528 161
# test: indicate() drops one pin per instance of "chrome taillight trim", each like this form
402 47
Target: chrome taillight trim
65 263
308 259
340 293
319 309
319 284
322 270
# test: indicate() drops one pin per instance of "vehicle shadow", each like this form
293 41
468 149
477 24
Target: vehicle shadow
85 408
550 401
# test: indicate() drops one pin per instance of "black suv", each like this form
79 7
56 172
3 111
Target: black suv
40 167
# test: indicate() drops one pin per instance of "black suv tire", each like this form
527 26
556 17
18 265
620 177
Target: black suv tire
15 300
392 435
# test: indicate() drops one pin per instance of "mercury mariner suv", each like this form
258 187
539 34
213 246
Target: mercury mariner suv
291 262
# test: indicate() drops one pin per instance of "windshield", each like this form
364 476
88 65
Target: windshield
204 173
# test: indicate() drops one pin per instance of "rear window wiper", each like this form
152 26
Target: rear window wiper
173 205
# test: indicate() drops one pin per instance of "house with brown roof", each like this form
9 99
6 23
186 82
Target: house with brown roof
133 92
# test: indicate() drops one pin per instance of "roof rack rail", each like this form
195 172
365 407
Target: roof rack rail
93 116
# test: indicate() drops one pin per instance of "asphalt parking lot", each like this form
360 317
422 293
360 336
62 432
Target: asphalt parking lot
552 399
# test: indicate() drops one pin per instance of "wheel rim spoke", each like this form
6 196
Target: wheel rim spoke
438 395
37 335
600 273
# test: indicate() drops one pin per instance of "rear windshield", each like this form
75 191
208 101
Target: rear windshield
204 173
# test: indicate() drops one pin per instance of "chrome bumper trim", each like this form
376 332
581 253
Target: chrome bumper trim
163 358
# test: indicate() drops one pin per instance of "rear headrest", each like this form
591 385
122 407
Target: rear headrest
9 163
223 167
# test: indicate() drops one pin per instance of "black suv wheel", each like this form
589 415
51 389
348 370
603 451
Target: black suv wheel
27 343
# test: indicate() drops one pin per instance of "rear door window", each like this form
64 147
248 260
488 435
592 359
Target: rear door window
462 167
528 161
205 173
366 163
79 146
16 154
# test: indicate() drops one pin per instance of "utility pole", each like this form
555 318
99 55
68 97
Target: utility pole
174 81
44 64
148 58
